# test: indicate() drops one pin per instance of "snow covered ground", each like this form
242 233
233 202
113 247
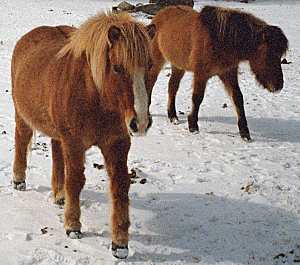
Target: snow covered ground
209 198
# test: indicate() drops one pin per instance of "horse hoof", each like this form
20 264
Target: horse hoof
174 120
194 130
120 252
74 234
20 185
60 202
247 139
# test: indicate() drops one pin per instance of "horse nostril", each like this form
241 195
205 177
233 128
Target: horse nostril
133 125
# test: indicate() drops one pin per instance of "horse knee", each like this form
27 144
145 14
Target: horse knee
74 185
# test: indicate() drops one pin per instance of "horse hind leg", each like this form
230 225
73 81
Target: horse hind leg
174 82
23 135
230 81
58 174
197 98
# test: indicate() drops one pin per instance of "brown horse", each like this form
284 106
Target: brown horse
83 87
213 42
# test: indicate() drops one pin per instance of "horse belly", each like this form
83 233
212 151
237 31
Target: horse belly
33 109
176 51
31 98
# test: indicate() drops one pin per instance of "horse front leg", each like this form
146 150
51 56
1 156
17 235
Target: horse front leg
230 80
115 156
58 173
74 181
197 98
174 82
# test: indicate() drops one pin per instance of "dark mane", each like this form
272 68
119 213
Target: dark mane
232 30
276 40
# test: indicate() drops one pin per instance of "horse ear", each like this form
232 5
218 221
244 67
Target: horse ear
114 34
151 29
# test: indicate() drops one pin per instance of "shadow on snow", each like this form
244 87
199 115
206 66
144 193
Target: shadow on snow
192 227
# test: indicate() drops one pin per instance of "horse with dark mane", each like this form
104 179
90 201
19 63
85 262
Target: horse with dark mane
213 42
83 87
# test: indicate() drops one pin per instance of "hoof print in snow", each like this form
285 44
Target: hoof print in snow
74 234
120 252
143 181
67 12
28 237
44 230
132 174
20 185
291 257
280 255
224 106
250 188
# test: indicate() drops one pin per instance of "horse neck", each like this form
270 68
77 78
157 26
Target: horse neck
103 106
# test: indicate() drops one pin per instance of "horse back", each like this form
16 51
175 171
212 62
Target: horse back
39 39
178 34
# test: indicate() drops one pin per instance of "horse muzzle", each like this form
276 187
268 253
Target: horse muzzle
137 128
275 84
275 88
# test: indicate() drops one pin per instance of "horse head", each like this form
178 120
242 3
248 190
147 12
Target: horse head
128 61
118 52
266 65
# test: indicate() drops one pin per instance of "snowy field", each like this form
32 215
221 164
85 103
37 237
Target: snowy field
210 198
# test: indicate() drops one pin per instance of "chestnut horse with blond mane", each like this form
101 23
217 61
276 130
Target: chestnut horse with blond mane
83 87
213 42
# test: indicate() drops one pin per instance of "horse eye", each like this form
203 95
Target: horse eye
118 69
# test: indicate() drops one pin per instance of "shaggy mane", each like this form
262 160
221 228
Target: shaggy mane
231 29
91 39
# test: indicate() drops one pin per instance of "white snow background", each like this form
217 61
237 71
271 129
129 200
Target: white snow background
210 198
